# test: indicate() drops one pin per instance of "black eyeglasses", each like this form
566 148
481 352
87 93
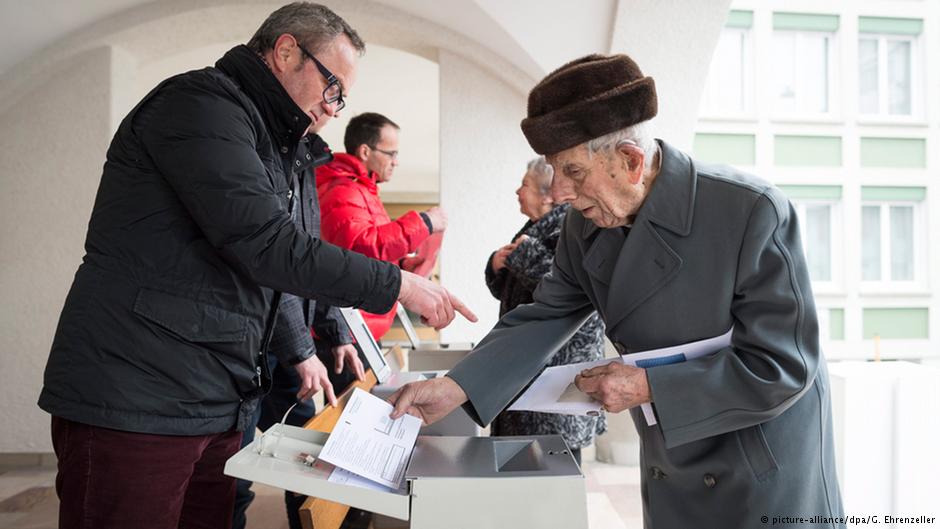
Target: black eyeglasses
390 154
333 93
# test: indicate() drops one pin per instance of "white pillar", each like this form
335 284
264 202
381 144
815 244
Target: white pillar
483 156
52 148
673 42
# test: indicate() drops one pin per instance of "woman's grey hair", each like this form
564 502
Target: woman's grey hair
638 135
315 26
542 174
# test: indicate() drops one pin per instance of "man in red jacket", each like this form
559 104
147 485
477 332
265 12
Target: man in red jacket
353 216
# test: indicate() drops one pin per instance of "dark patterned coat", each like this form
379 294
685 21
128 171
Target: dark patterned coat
512 286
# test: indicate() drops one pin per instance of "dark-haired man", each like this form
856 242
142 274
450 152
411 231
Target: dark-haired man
160 356
354 216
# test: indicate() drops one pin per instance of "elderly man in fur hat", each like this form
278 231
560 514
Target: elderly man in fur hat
668 251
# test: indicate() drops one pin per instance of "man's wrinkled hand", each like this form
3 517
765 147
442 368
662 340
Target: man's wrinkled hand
347 356
434 303
313 378
617 386
429 400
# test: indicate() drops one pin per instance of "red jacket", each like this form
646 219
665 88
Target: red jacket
353 217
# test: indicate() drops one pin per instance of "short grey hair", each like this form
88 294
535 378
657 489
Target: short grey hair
637 134
315 26
542 174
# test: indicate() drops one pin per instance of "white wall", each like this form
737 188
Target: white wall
51 153
483 155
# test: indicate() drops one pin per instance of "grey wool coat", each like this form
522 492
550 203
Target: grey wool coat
742 433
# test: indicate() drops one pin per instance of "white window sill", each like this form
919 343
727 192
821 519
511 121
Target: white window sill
894 291
891 121
725 118
814 119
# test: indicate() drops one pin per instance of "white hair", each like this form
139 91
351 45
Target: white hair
637 134
542 174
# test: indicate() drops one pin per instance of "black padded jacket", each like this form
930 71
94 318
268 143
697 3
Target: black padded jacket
189 240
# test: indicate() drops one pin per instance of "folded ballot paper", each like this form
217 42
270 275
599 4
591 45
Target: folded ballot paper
368 448
554 390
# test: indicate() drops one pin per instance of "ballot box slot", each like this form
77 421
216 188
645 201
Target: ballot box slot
518 456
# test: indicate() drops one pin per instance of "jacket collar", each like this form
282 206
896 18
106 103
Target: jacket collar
671 200
285 120
312 152
345 165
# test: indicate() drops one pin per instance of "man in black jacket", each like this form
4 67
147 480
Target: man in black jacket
159 358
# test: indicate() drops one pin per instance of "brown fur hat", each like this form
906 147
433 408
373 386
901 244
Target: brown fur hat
585 99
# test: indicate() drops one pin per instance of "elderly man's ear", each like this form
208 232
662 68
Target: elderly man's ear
632 158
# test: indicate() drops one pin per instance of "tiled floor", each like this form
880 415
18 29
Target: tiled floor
28 501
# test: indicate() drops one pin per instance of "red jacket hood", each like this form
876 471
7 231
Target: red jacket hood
343 167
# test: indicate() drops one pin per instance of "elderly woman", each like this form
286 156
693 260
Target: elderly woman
512 274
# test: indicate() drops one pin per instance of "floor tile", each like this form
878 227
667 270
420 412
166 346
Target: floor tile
626 500
607 474
601 513
16 481
26 500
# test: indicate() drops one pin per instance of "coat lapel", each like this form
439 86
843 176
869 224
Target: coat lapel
646 262
600 259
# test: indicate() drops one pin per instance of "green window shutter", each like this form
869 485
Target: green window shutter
898 324
734 149
837 324
740 19
895 26
806 22
808 151
812 192
886 193
893 152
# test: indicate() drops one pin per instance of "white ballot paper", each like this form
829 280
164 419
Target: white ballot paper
554 390
368 443
674 355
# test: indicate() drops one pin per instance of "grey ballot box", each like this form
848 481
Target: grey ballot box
454 482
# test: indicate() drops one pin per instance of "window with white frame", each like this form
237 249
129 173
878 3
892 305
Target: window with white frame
803 72
817 239
885 84
891 224
888 77
802 76
728 89
819 209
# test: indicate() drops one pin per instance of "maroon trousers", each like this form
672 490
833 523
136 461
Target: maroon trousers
121 480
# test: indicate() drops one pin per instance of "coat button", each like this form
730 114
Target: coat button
297 163
657 473
709 480
621 349
195 327
284 149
